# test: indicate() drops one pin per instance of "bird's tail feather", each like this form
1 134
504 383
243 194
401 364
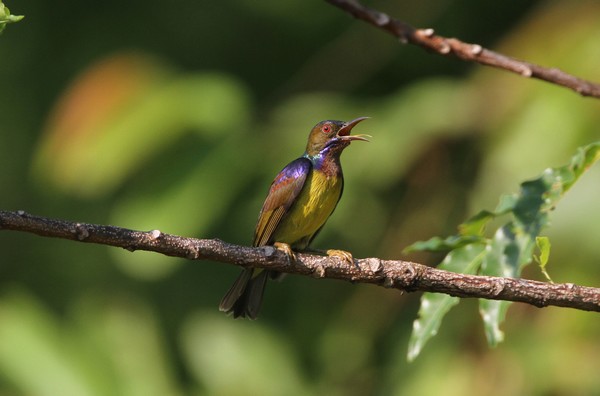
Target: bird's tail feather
245 296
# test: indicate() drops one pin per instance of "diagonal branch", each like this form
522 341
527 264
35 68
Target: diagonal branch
427 39
398 274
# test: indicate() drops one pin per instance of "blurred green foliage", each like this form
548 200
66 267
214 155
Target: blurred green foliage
178 119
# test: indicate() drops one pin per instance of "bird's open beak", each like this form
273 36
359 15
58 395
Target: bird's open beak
344 132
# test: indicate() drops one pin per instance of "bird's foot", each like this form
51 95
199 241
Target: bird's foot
287 249
342 254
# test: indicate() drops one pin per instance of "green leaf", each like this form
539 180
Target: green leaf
586 157
510 249
543 245
513 245
6 17
506 204
501 260
437 244
476 224
434 306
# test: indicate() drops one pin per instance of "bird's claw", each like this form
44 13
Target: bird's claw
287 249
342 254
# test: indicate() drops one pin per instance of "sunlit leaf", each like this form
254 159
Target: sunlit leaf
586 157
513 245
476 224
506 204
501 260
543 245
509 250
6 17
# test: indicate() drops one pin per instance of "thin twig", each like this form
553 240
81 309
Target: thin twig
427 39
398 274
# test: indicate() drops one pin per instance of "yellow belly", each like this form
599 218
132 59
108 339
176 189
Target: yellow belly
312 209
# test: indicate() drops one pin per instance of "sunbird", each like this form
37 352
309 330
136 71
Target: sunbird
301 199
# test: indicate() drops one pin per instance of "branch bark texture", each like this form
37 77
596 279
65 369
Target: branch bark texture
427 39
398 274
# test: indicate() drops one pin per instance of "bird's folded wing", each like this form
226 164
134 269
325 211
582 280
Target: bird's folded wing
284 191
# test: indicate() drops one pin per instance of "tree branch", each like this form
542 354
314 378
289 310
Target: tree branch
427 39
398 274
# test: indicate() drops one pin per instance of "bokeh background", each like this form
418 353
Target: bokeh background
177 115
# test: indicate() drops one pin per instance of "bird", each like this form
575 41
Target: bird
299 202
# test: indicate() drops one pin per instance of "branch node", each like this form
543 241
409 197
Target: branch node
80 231
571 287
319 271
526 71
374 264
388 282
269 250
498 287
476 49
193 253
429 32
382 19
409 278
445 48
155 234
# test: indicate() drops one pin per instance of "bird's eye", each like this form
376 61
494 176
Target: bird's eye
326 128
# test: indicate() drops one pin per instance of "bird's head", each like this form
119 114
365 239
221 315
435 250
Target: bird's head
333 136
